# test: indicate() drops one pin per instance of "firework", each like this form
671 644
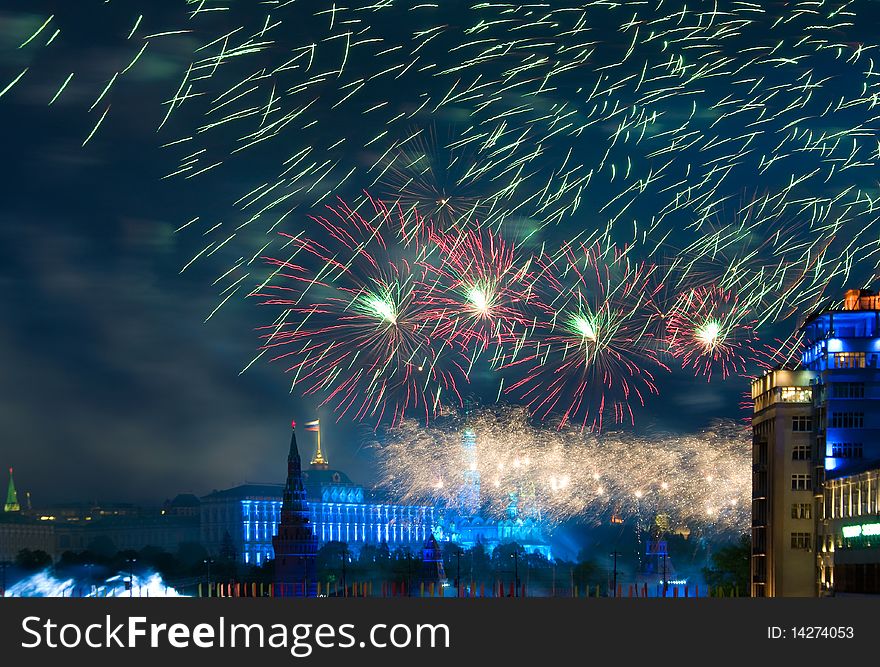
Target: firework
555 119
593 358
780 353
439 179
353 327
477 284
48 42
581 111
710 329
628 127
755 255
511 468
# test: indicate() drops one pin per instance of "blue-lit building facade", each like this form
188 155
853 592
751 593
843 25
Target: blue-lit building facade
470 530
468 524
338 510
816 459
842 348
247 516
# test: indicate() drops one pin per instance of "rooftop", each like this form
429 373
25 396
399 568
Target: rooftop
854 300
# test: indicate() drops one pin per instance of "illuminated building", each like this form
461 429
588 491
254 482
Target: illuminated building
431 571
470 492
295 544
816 442
11 504
842 346
338 510
474 529
467 526
851 545
783 526
657 567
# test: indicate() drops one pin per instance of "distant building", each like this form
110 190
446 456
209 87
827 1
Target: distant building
82 526
183 504
431 571
338 510
816 456
11 504
295 544
19 532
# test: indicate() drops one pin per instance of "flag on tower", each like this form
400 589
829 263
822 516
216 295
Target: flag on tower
313 426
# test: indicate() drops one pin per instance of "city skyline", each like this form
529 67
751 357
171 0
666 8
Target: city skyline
123 377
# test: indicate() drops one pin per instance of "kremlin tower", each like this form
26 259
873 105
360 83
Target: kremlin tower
295 544
11 497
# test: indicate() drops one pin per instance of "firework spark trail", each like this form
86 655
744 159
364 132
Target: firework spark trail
592 358
476 283
701 480
128 39
353 326
442 178
780 353
631 126
737 255
710 329
580 109
560 122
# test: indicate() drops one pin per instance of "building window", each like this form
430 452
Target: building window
846 450
801 423
848 390
800 540
801 511
800 482
795 394
800 453
849 360
847 420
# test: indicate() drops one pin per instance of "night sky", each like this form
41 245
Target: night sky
113 386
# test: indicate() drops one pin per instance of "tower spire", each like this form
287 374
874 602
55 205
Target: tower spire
294 493
11 496
295 543
318 460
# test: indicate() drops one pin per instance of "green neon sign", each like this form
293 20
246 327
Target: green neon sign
865 529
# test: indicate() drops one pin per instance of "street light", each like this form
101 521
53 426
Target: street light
615 554
344 554
207 563
515 572
665 583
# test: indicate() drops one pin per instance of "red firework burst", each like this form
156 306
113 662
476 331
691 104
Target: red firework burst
476 285
352 322
710 329
593 358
